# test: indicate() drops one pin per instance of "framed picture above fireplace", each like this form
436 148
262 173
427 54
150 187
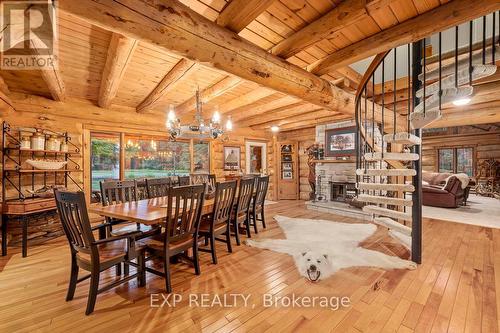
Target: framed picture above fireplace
340 142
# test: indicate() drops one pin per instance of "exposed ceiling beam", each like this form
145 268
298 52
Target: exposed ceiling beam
206 95
442 18
343 15
284 101
166 84
246 99
295 119
313 122
279 113
175 27
51 75
237 14
120 53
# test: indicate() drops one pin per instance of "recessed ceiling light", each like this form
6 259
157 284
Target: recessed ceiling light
275 129
461 101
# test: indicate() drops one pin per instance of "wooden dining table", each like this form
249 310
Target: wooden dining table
146 211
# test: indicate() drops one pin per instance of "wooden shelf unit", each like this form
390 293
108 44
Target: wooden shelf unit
288 176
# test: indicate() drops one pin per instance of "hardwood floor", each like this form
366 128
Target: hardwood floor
453 290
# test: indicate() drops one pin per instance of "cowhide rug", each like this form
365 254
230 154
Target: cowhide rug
320 248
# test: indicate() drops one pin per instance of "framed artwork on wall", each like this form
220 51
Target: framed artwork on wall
232 158
340 142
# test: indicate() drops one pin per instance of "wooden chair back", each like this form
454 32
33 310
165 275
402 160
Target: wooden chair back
184 207
73 214
261 191
158 187
184 180
117 191
142 191
174 181
245 195
224 202
204 178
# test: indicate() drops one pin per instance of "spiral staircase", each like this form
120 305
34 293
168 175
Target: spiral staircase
388 172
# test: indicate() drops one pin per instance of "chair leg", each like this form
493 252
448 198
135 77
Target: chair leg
118 269
254 218
237 232
168 283
247 225
228 240
263 218
73 279
141 268
196 259
212 248
206 240
126 269
94 287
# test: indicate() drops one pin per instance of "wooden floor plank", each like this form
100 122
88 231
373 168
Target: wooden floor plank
455 289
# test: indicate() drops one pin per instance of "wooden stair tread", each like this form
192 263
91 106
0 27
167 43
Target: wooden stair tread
402 138
386 187
392 225
379 156
419 119
479 71
385 200
386 172
387 212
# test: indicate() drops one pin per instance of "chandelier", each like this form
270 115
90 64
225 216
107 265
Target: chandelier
197 129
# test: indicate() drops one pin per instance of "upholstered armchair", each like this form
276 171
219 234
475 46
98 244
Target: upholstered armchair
450 196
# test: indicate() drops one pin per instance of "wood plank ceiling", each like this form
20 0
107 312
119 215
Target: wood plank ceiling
140 75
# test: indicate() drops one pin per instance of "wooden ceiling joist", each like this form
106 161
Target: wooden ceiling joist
279 113
345 14
472 115
237 14
175 27
313 122
168 82
246 99
206 95
120 53
295 119
446 16
254 111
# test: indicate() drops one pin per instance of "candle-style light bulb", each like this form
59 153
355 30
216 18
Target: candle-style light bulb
229 124
216 117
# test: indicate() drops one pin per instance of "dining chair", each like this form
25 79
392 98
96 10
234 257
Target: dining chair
259 198
241 213
204 178
94 256
218 222
174 181
184 207
116 192
184 180
158 187
142 192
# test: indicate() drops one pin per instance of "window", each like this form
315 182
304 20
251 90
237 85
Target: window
456 160
201 157
144 157
154 158
105 158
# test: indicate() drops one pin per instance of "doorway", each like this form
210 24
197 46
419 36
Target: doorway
255 153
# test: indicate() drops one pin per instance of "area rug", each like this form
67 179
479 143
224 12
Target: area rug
481 211
320 248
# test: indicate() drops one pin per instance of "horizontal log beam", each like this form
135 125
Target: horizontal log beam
120 53
443 17
174 27
237 14
279 113
343 15
475 114
206 95
246 99
295 119
166 84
